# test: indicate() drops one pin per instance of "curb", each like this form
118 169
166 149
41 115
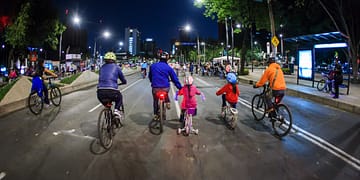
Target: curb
322 100
21 104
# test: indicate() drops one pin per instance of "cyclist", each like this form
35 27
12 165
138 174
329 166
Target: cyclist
40 69
159 77
189 101
230 92
276 79
144 67
107 88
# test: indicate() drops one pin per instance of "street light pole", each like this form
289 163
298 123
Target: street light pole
198 50
60 42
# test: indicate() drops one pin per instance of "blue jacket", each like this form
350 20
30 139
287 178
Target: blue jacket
159 75
109 75
144 65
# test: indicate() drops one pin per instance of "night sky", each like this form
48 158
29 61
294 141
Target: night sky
157 19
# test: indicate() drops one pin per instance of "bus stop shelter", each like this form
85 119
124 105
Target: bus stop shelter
308 45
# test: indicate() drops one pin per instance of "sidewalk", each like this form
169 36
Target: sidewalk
304 89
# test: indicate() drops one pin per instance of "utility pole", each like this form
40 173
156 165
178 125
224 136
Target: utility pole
272 26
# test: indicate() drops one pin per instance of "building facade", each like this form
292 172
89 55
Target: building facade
132 41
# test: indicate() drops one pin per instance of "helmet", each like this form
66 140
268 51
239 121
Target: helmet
271 60
231 78
163 54
110 56
188 80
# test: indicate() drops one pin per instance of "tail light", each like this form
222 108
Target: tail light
161 95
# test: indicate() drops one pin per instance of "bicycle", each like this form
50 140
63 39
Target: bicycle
143 74
36 97
156 124
325 83
188 125
229 115
108 122
281 119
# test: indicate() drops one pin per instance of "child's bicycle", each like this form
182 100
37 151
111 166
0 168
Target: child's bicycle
281 117
156 124
187 124
36 98
229 115
108 123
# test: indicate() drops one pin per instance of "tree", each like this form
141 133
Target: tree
346 20
36 25
15 34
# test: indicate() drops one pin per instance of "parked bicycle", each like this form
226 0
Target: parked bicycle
230 116
36 97
188 124
156 124
326 83
108 123
281 119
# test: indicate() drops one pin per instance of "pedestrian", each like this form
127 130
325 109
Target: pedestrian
338 78
191 68
12 75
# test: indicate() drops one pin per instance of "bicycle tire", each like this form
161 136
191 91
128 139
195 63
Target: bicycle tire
161 114
321 85
55 96
283 121
258 107
154 127
35 103
233 122
105 129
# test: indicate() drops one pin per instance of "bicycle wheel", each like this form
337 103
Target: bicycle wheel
105 129
283 121
162 116
35 103
321 85
55 96
233 122
258 107
187 124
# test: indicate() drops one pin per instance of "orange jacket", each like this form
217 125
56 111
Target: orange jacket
269 75
229 95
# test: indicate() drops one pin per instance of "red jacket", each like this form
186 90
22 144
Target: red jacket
229 95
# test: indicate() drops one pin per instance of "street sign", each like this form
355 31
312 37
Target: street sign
275 41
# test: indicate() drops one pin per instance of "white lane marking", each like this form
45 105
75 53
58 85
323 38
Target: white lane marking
97 106
319 142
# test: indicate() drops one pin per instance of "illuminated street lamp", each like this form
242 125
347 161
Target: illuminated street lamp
188 29
76 20
106 35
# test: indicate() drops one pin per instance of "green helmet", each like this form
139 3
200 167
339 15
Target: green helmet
110 56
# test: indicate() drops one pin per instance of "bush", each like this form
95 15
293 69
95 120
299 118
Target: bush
246 72
6 88
286 70
69 80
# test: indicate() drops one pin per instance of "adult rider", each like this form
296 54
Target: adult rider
159 77
107 88
275 76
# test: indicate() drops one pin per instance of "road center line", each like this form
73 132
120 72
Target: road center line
97 106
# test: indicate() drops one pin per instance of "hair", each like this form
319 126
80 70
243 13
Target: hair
234 88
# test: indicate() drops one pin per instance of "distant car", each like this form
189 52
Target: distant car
323 67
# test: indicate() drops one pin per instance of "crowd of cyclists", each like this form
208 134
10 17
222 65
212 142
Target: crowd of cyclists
161 73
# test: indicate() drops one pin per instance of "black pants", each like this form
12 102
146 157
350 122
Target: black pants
156 99
106 95
278 94
233 105
336 88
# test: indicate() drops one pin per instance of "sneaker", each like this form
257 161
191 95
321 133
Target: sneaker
156 117
117 113
168 106
48 105
270 110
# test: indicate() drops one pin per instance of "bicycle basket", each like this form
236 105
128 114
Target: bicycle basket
234 111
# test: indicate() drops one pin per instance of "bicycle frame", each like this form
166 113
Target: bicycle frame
188 126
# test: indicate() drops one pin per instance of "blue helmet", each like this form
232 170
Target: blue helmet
231 78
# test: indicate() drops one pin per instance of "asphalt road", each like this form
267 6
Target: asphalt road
61 143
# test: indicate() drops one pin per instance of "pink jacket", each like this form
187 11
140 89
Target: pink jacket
189 93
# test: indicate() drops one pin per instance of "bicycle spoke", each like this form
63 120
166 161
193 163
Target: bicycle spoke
283 123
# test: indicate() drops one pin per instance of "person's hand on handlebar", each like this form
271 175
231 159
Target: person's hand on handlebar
254 86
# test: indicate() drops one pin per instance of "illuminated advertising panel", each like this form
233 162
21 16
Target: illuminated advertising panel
305 64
